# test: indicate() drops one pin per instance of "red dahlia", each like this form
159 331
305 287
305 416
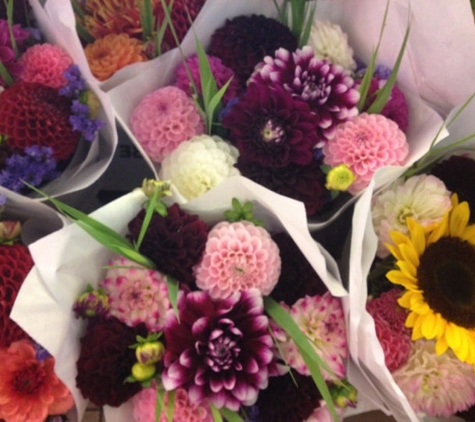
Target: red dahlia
33 114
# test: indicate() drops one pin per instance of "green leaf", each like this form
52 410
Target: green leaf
215 413
171 405
383 94
231 416
173 288
159 403
151 204
9 9
6 75
310 357
215 105
146 19
81 30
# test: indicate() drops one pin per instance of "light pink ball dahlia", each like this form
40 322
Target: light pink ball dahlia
365 144
163 120
238 257
45 64
136 294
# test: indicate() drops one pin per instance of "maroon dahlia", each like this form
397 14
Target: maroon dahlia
106 361
244 41
271 128
174 243
327 88
34 114
220 350
15 264
302 183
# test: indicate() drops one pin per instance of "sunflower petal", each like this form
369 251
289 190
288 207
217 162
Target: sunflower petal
440 230
429 326
398 277
418 235
459 219
416 329
441 346
407 268
410 320
409 254
469 234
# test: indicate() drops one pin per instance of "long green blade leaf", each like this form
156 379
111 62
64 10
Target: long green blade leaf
148 217
159 403
146 19
231 416
215 413
6 75
173 288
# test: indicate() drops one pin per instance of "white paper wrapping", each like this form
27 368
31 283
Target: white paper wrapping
69 259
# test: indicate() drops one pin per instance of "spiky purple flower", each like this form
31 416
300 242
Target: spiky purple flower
219 351
326 87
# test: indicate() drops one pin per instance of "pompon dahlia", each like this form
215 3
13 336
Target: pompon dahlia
438 385
163 120
199 164
45 64
287 399
303 183
219 351
238 256
458 174
244 41
328 88
107 55
175 243
15 264
30 389
136 294
33 114
184 410
365 144
106 360
328 41
271 128
297 277
222 74
321 319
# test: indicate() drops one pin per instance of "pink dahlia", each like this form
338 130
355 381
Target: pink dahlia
164 119
365 144
219 351
238 256
328 88
272 128
144 404
387 308
136 294
222 74
321 319
45 64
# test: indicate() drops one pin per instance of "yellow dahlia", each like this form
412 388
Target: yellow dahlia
437 269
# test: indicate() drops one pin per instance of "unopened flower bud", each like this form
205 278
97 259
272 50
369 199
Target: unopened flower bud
92 303
94 104
150 353
344 395
340 178
9 229
149 186
143 372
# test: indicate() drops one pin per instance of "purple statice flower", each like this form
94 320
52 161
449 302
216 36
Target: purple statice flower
34 166
380 71
82 122
76 83
41 353
328 88
219 351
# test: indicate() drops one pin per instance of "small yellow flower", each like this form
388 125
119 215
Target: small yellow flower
340 178
143 372
149 186
150 353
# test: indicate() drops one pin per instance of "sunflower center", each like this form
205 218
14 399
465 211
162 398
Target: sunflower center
272 132
29 379
447 277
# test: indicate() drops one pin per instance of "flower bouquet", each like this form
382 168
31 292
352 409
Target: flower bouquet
56 130
115 40
30 389
411 282
198 302
315 150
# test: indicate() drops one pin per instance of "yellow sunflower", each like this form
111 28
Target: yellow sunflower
437 269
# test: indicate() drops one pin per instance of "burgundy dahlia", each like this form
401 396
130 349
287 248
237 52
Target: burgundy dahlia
287 399
302 183
458 175
220 350
174 243
106 361
244 41
34 114
297 277
327 88
271 128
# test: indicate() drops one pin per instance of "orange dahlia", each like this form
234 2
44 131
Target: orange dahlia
30 389
113 52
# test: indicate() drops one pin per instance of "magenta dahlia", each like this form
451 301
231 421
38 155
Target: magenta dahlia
328 88
219 351
244 41
271 128
7 55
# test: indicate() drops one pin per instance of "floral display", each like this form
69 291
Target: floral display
46 110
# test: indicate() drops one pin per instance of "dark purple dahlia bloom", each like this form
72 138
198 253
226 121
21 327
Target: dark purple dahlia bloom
7 55
271 128
244 41
220 351
327 88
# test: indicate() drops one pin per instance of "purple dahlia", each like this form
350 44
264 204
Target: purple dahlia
219 351
271 128
328 88
244 41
